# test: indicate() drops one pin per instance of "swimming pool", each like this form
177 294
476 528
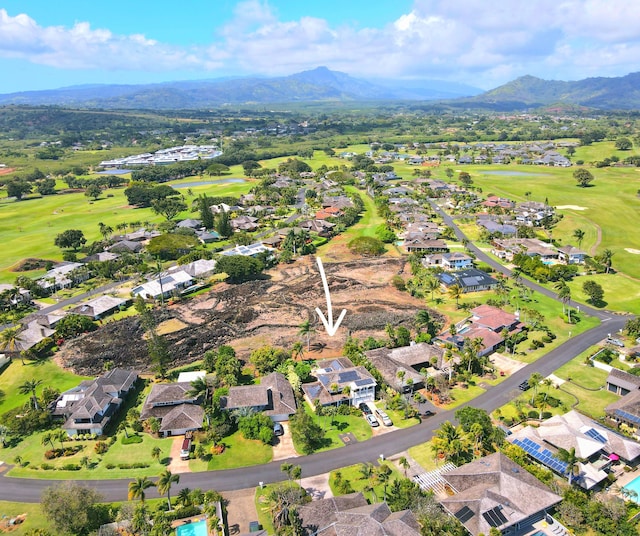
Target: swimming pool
196 528
634 486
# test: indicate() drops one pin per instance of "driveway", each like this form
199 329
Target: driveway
176 465
283 447
241 509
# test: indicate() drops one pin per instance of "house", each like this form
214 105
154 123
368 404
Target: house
64 275
199 269
532 213
495 227
126 246
102 256
206 237
622 383
37 330
244 223
251 250
425 245
448 261
165 285
322 227
351 515
89 407
471 280
496 492
408 359
571 255
175 407
595 444
338 381
190 223
273 396
329 212
99 307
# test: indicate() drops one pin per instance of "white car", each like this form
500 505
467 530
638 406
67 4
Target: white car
372 420
384 417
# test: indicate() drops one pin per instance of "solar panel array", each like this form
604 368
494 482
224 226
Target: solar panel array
544 456
594 434
628 416
464 514
494 517
348 376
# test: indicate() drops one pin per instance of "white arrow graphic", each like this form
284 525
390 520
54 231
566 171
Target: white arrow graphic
328 324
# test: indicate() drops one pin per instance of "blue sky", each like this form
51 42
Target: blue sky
49 45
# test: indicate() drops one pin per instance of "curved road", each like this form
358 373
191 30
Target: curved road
29 490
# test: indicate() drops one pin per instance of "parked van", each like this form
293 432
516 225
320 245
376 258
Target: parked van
185 450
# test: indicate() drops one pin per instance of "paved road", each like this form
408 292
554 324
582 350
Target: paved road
29 490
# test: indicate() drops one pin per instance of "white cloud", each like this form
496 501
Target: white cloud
474 41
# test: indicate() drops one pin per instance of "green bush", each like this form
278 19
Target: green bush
70 467
110 466
132 439
101 447
47 467
533 414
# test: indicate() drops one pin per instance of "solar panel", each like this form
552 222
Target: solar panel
491 518
593 433
544 456
464 514
349 376
498 512
628 416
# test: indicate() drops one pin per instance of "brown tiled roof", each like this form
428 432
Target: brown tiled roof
183 416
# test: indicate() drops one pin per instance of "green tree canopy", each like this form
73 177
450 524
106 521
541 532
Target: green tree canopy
70 239
170 246
583 176
239 267
72 509
169 207
366 246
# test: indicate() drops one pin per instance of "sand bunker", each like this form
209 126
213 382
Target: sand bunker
633 251
571 207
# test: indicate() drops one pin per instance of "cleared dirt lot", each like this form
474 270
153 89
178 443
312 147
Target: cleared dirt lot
255 313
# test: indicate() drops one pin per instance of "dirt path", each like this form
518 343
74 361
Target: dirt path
594 248
177 465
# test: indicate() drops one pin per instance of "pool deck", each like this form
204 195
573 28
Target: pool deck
187 520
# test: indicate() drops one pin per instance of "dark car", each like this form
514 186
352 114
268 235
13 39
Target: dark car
429 413
278 430
524 386
365 408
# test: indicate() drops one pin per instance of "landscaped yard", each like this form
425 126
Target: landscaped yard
371 487
238 452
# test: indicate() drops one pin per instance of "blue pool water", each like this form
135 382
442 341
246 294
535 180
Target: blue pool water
634 485
197 528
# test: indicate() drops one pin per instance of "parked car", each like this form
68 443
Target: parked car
384 417
364 407
429 413
372 420
278 430
524 386
615 342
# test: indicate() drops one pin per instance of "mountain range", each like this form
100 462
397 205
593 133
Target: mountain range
324 85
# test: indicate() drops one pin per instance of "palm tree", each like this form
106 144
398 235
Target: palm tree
47 438
606 257
564 294
156 452
165 480
184 497
453 443
4 432
306 329
383 475
455 292
432 284
138 486
199 388
9 339
60 435
570 458
534 381
29 387
578 234
297 350
404 463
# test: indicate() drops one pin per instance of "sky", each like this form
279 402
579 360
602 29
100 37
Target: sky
45 45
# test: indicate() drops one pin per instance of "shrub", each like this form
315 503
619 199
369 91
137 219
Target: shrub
47 467
546 414
101 447
52 453
131 440
110 466
70 467
546 339
533 414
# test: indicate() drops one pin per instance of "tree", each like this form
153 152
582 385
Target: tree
165 480
93 191
578 234
156 452
70 239
17 188
455 292
453 443
171 246
534 382
594 291
432 284
605 258
583 176
206 216
72 325
306 434
564 294
105 230
138 486
306 329
199 389
570 458
72 508
404 463
169 207
9 339
267 358
222 225
367 246
29 387
249 165
623 144
465 179
239 267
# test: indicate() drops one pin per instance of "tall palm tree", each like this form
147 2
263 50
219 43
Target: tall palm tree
297 350
453 443
570 458
47 438
606 257
578 234
9 339
404 463
165 480
564 294
184 497
534 381
306 329
199 388
138 486
455 292
29 387
432 284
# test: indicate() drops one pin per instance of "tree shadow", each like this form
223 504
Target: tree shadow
318 346
166 460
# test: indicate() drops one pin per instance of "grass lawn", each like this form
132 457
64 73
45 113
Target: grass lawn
32 450
621 293
239 452
353 475
264 509
424 455
398 417
16 374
